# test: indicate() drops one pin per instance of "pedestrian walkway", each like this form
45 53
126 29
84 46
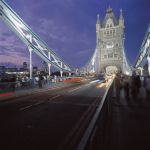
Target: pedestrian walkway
130 122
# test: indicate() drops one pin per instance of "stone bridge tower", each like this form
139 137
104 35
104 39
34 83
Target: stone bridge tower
110 42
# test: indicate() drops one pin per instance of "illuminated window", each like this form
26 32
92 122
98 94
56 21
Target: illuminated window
109 45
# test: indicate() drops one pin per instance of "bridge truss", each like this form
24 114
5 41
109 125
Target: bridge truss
144 54
31 40
92 66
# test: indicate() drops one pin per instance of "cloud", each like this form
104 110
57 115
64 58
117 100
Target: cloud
12 50
14 58
55 22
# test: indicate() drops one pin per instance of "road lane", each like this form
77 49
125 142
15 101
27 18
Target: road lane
50 119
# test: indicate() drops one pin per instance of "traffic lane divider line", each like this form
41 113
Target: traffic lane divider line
75 89
23 108
37 103
53 98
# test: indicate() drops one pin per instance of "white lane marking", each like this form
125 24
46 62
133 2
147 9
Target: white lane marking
94 81
75 89
23 108
54 97
88 84
38 103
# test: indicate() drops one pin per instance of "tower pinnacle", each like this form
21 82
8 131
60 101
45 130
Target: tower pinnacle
109 10
98 21
121 16
121 19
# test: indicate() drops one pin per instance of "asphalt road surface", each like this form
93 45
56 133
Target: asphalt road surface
47 120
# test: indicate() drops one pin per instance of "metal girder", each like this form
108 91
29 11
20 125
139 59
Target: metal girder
90 67
32 40
145 49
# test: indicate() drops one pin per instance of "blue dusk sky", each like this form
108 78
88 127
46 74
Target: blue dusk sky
68 26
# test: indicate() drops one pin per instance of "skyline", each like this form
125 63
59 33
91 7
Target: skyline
71 25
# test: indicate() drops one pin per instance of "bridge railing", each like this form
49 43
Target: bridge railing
99 121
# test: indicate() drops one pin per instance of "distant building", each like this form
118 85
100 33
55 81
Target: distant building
23 70
25 65
35 70
12 69
2 69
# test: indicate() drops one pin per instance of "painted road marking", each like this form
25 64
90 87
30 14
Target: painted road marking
38 103
23 108
88 84
54 97
94 81
75 89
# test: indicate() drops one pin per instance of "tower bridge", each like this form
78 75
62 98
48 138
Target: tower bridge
109 55
86 115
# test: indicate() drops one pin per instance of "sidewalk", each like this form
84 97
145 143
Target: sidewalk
35 89
130 123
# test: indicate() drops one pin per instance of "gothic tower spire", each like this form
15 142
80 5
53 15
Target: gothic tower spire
98 26
121 19
98 20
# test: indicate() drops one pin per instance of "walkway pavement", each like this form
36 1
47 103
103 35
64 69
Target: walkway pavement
130 122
